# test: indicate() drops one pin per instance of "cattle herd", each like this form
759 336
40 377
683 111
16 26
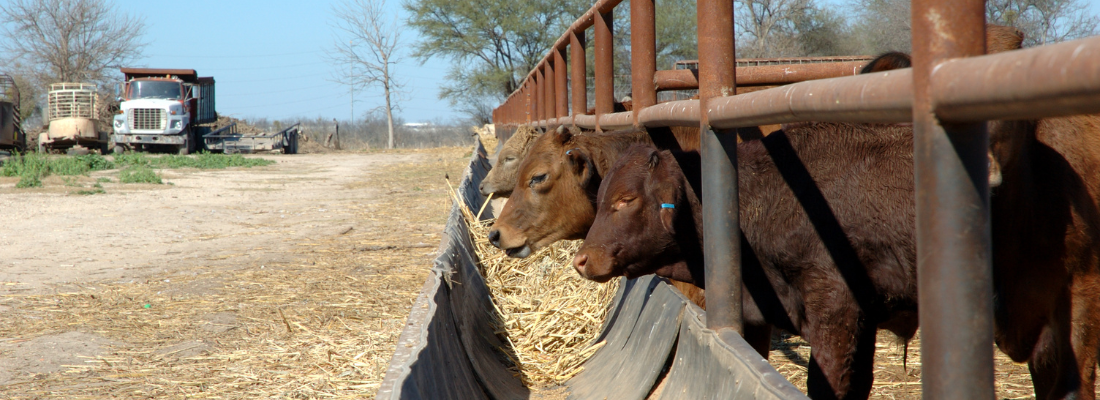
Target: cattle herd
827 212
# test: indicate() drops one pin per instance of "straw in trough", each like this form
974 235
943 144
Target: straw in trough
549 314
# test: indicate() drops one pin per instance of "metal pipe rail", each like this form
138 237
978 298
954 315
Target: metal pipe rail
948 94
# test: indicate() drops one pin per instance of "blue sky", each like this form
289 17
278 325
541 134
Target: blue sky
268 58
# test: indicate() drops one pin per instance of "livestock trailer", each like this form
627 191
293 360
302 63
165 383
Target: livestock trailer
12 136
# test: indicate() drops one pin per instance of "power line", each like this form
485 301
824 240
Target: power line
281 78
268 67
285 103
235 56
237 94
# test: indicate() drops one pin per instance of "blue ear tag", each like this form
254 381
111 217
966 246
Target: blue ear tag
668 205
569 152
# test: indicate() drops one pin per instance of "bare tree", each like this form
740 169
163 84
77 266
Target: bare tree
70 40
786 28
372 47
1044 21
881 25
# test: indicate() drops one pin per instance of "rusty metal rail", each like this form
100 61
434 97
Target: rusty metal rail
948 95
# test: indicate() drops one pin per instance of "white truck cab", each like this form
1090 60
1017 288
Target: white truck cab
163 107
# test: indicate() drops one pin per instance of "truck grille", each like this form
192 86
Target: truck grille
148 118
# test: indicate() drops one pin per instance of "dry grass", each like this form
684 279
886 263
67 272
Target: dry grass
893 379
322 324
548 313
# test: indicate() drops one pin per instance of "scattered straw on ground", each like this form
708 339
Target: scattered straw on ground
550 314
893 379
322 324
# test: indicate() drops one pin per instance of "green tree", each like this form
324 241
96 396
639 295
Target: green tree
491 44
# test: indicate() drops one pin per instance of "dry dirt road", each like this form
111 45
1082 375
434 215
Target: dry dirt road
291 280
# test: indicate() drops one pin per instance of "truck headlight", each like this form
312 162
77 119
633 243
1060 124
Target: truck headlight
119 123
177 124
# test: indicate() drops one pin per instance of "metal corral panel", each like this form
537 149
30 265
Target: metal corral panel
448 349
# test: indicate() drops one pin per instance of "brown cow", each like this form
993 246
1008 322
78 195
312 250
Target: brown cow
1046 242
1045 176
502 177
555 188
832 261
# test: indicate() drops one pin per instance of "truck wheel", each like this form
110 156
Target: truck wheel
183 151
118 149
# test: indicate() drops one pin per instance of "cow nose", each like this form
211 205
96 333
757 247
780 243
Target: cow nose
494 237
578 263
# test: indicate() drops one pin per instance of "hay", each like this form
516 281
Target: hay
548 313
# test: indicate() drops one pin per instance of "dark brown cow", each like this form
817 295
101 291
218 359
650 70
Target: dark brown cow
502 177
831 260
1046 241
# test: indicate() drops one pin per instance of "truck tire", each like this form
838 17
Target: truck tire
118 149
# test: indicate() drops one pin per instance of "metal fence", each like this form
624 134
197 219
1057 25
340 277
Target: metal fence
947 95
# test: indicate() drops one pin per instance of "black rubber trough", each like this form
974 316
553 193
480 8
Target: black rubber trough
448 349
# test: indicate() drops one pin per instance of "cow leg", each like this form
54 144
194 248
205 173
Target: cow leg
760 338
1085 330
1056 371
842 351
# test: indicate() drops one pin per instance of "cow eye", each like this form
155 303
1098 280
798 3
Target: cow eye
509 159
622 203
537 179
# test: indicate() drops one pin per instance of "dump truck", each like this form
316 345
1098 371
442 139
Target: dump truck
12 136
170 109
73 112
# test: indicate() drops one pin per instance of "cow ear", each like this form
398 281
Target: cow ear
562 135
581 164
665 187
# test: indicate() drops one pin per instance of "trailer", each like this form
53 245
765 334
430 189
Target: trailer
74 120
12 136
228 140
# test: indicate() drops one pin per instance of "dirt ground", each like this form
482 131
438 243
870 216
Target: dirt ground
291 280
288 281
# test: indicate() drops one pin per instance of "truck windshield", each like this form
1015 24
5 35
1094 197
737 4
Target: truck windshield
154 90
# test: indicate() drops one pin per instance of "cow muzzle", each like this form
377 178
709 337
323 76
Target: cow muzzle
521 251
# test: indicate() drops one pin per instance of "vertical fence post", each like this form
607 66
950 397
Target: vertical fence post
605 79
561 80
643 55
952 198
529 96
540 94
721 222
551 98
577 71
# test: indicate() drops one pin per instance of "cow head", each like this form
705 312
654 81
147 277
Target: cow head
502 178
644 215
552 199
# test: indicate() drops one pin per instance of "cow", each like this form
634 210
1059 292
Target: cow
502 177
1045 193
827 215
556 187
